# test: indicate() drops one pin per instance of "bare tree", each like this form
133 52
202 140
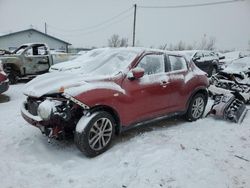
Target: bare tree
171 47
163 47
124 42
180 46
115 41
207 44
203 43
211 43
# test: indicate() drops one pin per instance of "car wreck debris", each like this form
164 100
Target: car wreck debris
228 107
224 83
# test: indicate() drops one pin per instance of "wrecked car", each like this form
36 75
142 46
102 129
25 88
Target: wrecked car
27 61
208 61
79 62
235 78
123 88
4 82
228 107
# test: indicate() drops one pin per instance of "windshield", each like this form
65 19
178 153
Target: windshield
109 62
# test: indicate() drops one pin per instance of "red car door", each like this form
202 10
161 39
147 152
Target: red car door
181 78
151 95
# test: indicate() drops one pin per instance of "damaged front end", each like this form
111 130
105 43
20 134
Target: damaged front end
231 92
228 107
226 83
55 115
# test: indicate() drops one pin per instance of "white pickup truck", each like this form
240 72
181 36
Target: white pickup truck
30 60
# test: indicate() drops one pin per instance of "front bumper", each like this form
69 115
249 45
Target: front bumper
33 120
4 86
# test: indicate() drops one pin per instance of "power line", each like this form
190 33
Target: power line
191 5
96 25
101 28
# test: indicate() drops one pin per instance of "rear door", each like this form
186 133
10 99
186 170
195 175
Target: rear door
180 78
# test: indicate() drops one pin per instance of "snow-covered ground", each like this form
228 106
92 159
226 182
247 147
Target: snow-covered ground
207 153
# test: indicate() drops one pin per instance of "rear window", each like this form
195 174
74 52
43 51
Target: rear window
177 63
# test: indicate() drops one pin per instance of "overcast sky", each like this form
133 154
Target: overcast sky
87 23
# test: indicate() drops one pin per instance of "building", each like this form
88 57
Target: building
13 40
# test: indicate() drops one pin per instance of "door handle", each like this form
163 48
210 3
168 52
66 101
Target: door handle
164 83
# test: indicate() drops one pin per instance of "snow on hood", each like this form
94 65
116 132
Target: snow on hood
51 83
73 84
74 91
80 61
238 66
67 65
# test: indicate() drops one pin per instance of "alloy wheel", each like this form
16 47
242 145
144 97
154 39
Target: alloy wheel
100 134
198 107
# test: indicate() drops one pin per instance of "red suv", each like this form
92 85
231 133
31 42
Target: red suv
4 82
116 90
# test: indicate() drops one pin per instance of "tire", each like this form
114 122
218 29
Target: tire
196 107
13 76
96 135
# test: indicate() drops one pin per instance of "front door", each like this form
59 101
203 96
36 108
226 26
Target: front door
150 96
36 60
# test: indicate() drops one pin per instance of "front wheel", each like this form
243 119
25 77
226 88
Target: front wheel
196 107
95 133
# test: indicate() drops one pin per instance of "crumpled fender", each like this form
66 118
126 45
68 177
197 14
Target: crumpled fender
97 93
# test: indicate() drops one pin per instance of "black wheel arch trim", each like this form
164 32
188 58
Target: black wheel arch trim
202 90
110 110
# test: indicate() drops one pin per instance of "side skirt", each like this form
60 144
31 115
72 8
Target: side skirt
145 122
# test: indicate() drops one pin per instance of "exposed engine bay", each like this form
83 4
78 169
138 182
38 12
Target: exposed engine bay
58 114
231 93
225 83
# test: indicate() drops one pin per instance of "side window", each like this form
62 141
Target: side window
36 50
42 50
29 52
152 64
177 63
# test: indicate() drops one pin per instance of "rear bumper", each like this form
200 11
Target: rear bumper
31 119
4 86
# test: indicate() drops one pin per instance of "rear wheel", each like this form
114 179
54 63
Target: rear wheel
196 107
95 133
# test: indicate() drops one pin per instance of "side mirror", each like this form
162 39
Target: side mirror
136 73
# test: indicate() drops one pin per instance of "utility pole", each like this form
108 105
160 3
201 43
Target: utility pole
135 7
45 28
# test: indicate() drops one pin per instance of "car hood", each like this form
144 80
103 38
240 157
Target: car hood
8 58
67 65
72 84
238 66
